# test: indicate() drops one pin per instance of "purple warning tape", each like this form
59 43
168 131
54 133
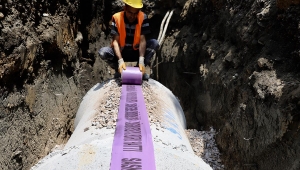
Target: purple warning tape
132 145
132 75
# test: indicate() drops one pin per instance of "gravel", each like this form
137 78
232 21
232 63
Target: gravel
204 146
202 142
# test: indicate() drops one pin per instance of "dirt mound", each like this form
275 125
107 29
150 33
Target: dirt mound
238 62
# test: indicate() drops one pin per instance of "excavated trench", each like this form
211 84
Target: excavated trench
233 65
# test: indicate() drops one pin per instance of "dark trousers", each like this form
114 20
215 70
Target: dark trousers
128 54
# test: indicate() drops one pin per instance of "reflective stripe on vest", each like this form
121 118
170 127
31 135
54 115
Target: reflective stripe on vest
120 23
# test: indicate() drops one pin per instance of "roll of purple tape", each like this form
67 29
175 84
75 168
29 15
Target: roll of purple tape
132 75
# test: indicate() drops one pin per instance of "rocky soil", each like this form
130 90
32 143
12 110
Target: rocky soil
239 62
205 147
44 74
233 64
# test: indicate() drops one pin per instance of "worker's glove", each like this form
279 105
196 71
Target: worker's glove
141 64
122 65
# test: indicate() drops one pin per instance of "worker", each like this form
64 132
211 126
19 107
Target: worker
129 29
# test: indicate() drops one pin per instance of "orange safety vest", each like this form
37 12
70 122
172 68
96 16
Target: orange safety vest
119 20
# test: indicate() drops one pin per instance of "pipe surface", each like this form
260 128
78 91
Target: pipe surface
90 146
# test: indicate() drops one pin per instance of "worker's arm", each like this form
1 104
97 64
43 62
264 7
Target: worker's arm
142 50
142 47
118 54
116 46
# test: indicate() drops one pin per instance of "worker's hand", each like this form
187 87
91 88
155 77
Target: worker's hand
141 64
122 65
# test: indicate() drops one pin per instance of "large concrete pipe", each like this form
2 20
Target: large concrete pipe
90 146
